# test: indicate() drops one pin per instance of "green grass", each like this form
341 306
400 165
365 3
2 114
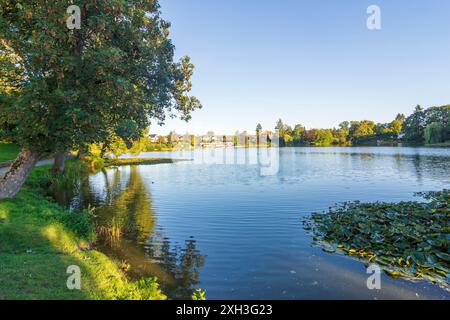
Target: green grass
96 163
8 151
138 161
39 240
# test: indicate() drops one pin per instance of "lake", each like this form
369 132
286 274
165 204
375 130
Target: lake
229 220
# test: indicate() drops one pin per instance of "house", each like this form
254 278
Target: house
153 138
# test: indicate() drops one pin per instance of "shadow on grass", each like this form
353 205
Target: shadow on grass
37 246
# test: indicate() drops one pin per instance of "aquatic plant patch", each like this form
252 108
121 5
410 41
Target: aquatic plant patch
408 239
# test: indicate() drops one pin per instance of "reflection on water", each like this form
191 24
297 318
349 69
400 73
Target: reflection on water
220 224
123 202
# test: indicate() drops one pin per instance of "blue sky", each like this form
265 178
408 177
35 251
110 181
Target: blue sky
310 62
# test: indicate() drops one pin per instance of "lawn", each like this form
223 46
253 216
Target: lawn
8 151
39 240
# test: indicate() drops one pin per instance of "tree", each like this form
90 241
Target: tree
258 133
279 126
72 88
360 129
324 137
401 117
414 126
309 136
341 134
279 130
396 126
298 133
381 129
259 128
434 133
285 133
236 139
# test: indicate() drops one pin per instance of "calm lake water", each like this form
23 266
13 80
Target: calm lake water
229 221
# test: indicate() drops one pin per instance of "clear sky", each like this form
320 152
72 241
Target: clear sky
310 62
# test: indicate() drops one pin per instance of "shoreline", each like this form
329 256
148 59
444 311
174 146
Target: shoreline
39 238
141 161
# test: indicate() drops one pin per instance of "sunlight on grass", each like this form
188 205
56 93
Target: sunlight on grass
59 238
41 240
3 215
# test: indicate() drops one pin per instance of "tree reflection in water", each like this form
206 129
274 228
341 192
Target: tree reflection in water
123 202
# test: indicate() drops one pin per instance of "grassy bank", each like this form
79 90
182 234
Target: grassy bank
8 151
137 161
97 163
38 242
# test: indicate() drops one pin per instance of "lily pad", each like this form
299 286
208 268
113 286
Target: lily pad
410 240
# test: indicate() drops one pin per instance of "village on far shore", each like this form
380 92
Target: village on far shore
212 140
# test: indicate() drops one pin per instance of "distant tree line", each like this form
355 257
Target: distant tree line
430 126
422 127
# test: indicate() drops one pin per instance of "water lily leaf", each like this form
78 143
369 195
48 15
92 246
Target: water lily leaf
444 256
409 239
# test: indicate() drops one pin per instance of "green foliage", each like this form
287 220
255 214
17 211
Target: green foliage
324 138
42 182
431 126
143 289
8 151
258 128
74 169
408 239
67 89
396 126
39 240
298 132
434 133
199 294
342 134
96 163
415 125
360 129
81 223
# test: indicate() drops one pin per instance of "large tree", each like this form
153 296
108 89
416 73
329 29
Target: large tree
66 89
414 126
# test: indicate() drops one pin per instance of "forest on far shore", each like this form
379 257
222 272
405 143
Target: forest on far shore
423 127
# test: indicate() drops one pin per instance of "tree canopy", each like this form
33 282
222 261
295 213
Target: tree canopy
65 89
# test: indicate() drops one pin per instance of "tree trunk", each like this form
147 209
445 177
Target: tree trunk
104 149
81 155
58 165
18 172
